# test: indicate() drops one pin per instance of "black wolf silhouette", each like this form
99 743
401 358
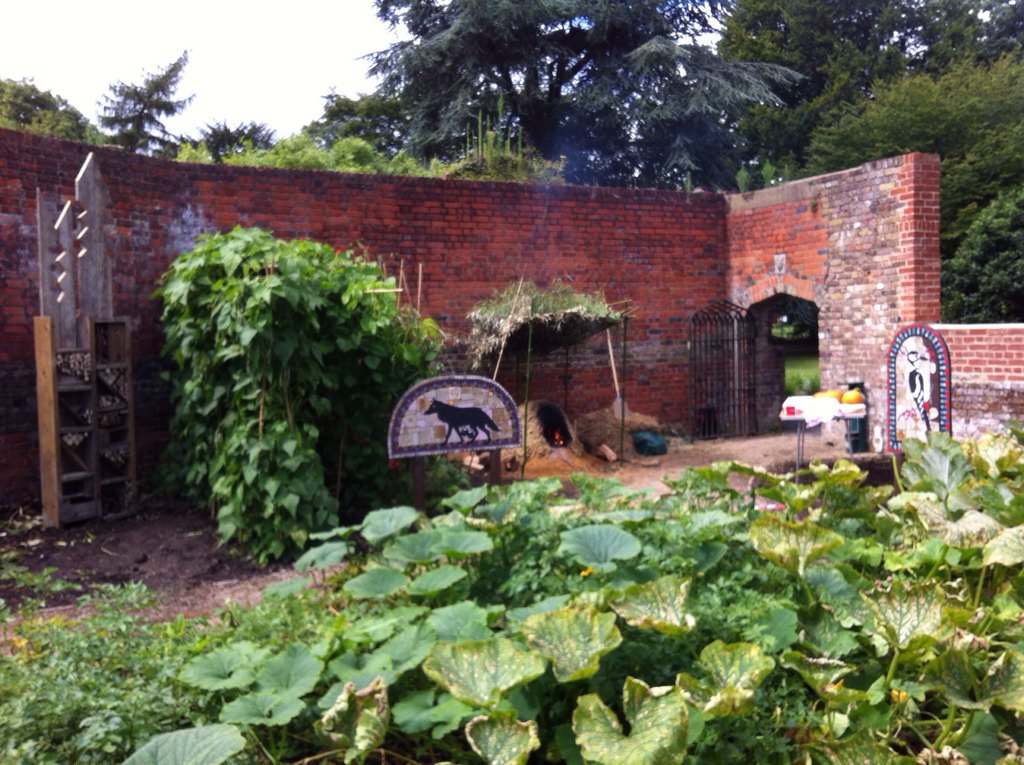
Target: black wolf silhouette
467 421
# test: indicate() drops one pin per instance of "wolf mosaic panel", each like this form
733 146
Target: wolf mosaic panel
919 386
453 413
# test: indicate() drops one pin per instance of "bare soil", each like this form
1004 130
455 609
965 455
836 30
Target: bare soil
173 547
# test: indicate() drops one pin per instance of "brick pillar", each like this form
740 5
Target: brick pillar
919 257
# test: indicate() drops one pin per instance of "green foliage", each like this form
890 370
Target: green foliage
843 54
218 140
971 115
135 113
380 121
622 91
844 627
302 152
984 282
290 356
23 106
210 745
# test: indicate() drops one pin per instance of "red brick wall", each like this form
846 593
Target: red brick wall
845 238
987 362
862 244
664 252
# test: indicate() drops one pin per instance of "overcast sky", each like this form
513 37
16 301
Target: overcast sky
248 61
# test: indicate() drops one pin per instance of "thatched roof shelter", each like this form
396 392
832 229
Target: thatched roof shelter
525 315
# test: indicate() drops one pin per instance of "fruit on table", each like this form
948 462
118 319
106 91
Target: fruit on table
853 396
836 394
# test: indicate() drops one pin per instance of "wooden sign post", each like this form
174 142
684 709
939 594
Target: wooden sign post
454 413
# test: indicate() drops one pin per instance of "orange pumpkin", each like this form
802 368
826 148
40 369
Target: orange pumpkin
836 394
853 396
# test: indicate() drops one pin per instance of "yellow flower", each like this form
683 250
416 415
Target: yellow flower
587 571
898 695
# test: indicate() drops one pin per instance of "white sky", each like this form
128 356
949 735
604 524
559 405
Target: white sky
248 61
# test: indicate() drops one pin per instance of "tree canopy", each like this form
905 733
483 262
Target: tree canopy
379 120
23 106
623 90
984 282
972 116
134 113
844 52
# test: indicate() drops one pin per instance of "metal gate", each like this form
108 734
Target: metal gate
722 375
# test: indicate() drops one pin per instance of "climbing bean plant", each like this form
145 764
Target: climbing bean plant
287 357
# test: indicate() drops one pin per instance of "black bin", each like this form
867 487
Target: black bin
857 428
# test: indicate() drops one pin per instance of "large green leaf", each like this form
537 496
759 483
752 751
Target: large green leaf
408 648
206 745
792 545
659 605
378 525
375 583
436 580
461 543
420 548
358 720
230 666
996 454
501 739
374 629
1007 549
733 673
322 556
293 672
657 720
599 546
460 621
906 611
480 672
262 708
417 712
958 680
573 639
1005 681
939 466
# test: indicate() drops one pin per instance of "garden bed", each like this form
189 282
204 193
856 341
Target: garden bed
173 548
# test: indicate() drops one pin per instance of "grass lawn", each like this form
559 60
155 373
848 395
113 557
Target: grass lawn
802 374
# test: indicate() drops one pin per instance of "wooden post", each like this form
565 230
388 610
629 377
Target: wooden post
495 467
419 484
49 435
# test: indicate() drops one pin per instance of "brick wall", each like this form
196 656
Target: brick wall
662 251
862 244
987 363
843 239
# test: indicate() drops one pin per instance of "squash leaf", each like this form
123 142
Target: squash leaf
378 525
377 583
480 672
599 546
501 739
206 745
358 720
657 719
792 545
573 639
658 605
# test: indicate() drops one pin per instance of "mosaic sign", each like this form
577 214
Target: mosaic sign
453 414
919 386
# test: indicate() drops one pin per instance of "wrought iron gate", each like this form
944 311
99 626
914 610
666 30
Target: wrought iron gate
722 375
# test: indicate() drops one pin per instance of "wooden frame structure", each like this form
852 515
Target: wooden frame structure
84 381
